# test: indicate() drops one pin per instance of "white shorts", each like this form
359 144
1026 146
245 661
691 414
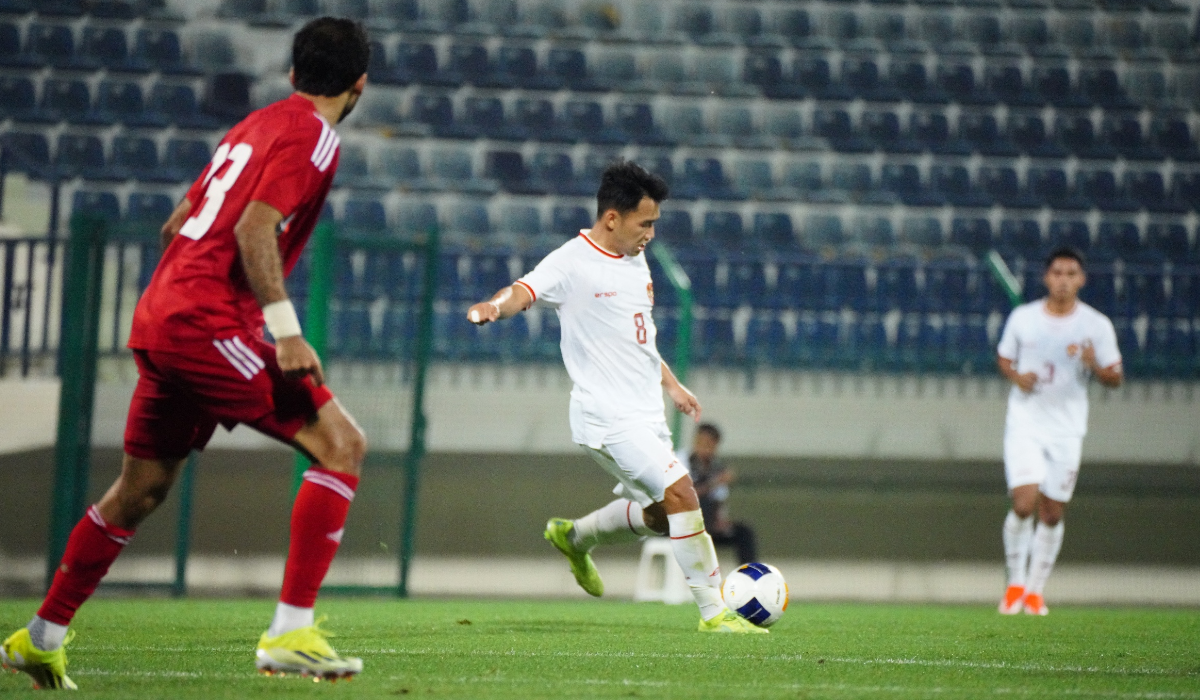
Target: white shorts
642 461
1052 464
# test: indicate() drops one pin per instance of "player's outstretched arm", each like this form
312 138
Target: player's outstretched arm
259 248
685 401
506 303
175 222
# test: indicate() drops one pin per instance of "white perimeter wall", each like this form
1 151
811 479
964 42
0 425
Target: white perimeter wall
524 410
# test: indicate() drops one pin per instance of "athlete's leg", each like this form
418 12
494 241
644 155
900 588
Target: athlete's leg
1024 469
693 547
618 521
1047 542
337 447
1063 457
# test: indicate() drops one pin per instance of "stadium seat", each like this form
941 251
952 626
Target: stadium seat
774 231
933 130
953 182
1117 240
1070 232
552 171
468 222
1173 136
11 55
1048 187
1002 184
1171 240
17 101
78 155
1146 187
508 169
227 96
973 234
173 104
1125 134
468 64
97 203
1100 187
28 153
568 221
923 231
703 178
145 214
835 126
723 231
160 50
635 122
133 158
883 129
674 227
117 103
64 100
185 160
1020 237
821 231
104 47
51 44
981 131
1028 132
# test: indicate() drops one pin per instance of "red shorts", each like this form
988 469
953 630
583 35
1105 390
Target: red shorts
181 397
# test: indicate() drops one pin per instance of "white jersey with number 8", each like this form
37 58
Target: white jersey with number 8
1051 346
603 302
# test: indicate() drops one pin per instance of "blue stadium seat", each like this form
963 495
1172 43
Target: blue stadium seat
11 55
674 227
1103 88
468 63
948 286
415 219
875 231
536 118
1070 232
1053 86
145 214
484 116
508 169
78 155
821 231
185 160
553 171
715 343
160 50
569 67
583 120
1008 86
795 284
835 125
957 79
1117 240
516 66
1185 292
1125 134
635 122
1048 187
766 340
51 44
883 129
1171 348
904 180
417 63
567 221
933 130
1171 240
28 153
65 99
174 104
1021 237
1173 136
1001 183
861 77
18 102
227 97
774 231
924 231
851 178
1146 187
468 222
97 203
133 158
364 218
104 47
763 70
1144 289
973 234
953 182
896 285
1100 187
723 231
913 81
116 103
755 180
983 133
1028 132
703 178
1185 187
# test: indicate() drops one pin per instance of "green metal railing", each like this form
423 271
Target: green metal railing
683 336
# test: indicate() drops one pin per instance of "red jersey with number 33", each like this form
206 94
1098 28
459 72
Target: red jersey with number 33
283 155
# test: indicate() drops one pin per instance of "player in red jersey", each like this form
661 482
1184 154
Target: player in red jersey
202 359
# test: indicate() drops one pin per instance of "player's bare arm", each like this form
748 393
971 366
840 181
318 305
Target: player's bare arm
175 222
506 303
1025 382
255 232
1110 377
685 401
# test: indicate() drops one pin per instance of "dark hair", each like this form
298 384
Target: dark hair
1066 251
329 55
624 184
711 429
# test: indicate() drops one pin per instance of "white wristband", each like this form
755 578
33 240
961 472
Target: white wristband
281 319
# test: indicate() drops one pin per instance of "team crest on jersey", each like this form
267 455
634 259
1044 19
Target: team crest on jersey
650 292
1072 349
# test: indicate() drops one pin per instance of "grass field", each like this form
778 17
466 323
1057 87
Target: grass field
492 649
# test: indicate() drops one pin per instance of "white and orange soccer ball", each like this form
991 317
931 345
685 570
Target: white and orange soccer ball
757 592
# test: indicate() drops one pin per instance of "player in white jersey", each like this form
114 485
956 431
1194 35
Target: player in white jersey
599 284
1049 350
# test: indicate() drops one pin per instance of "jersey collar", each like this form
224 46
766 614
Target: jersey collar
583 233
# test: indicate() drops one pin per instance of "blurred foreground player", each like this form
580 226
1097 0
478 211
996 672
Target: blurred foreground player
1048 350
712 479
599 284
202 359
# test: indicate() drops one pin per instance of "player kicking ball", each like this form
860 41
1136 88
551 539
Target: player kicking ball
599 283
202 360
1049 350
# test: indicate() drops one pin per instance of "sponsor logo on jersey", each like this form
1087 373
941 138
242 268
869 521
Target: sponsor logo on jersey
602 295
650 292
1072 349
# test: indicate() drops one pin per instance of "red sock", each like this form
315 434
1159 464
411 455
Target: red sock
317 519
91 549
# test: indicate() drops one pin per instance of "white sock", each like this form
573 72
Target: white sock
619 521
288 618
698 558
1018 532
1047 540
45 634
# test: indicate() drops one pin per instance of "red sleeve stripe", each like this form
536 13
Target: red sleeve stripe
684 537
529 289
629 519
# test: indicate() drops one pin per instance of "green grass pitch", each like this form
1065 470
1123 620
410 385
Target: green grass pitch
557 649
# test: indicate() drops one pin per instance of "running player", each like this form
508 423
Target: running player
202 360
1048 350
599 283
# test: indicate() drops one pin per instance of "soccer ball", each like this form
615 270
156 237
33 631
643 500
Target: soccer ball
757 592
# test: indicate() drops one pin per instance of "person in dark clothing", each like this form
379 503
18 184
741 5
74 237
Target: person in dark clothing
712 480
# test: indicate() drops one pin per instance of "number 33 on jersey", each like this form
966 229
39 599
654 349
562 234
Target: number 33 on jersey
284 156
